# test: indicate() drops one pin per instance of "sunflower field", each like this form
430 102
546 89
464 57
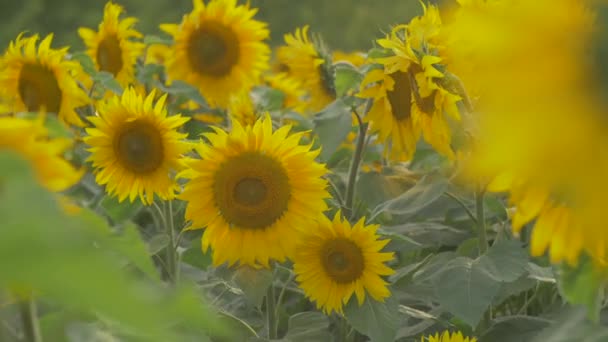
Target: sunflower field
445 184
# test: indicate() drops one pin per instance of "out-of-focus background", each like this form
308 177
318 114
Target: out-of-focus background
344 24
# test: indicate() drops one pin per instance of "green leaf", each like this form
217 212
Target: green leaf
308 327
465 289
572 325
415 199
194 256
146 73
267 98
505 261
379 321
86 62
347 78
514 329
151 39
542 274
430 234
107 81
583 285
332 126
254 283
120 212
179 88
158 243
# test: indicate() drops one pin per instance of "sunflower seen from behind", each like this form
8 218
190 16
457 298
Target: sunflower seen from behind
447 337
252 190
306 62
31 141
219 48
113 47
35 77
336 260
135 146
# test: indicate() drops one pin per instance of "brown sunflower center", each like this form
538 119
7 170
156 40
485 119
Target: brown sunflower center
139 148
39 88
400 97
251 190
342 260
213 49
109 55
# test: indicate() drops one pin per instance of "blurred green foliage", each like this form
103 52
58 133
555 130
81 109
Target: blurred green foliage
345 24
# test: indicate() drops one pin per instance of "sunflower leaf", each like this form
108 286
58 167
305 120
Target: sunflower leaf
378 320
347 78
308 326
332 125
107 81
254 283
583 285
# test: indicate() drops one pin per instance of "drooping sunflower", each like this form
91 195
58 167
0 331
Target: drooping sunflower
290 88
408 96
218 48
335 261
41 79
447 337
30 140
252 190
307 63
113 48
135 146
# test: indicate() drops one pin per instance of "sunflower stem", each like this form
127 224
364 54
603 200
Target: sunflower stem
29 318
481 221
171 254
354 166
271 318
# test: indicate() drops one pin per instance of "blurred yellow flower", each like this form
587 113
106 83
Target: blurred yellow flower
113 48
218 48
252 191
447 337
291 89
40 78
334 261
242 109
135 146
355 58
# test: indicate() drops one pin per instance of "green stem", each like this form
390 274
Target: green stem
481 221
343 329
271 318
29 318
171 253
354 168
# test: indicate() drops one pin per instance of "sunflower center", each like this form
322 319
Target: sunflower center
138 147
109 55
213 49
251 190
342 260
400 97
39 88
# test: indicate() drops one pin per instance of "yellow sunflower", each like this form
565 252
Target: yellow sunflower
309 66
157 54
242 109
135 146
252 190
113 48
290 88
41 79
30 139
334 261
355 58
446 337
218 48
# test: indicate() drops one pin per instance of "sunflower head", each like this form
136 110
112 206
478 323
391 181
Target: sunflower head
252 190
447 337
219 48
242 109
135 146
308 62
39 78
336 260
290 88
113 48
30 140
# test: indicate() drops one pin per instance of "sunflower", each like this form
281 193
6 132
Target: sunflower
135 146
113 48
252 191
157 54
242 109
218 48
409 99
309 65
290 88
446 337
30 140
356 58
40 78
335 261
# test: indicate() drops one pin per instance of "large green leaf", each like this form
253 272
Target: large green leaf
583 285
308 327
514 329
465 289
572 325
378 320
253 282
332 126
347 78
505 261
